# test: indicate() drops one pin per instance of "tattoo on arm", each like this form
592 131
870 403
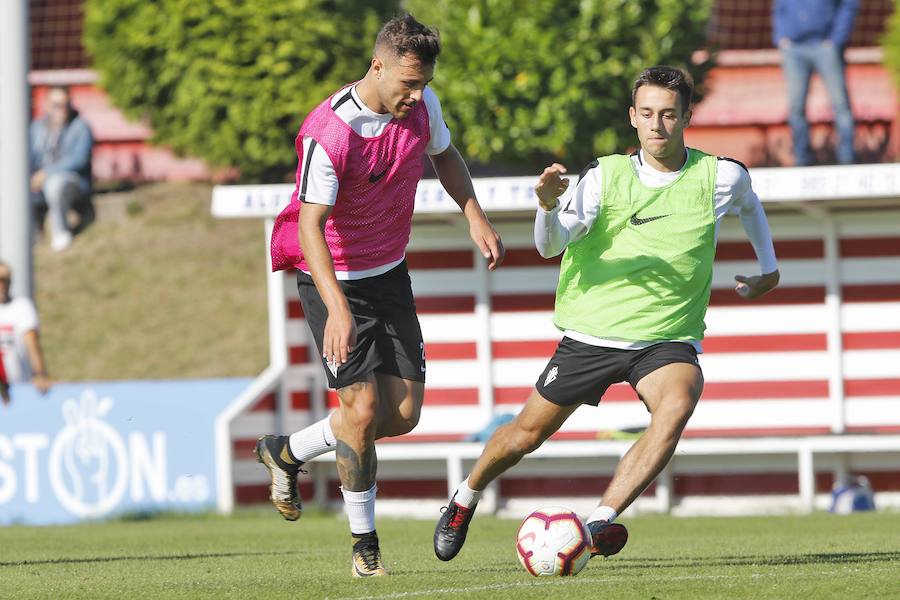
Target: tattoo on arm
357 471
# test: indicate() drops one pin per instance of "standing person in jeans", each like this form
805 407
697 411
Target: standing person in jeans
812 35
61 146
361 155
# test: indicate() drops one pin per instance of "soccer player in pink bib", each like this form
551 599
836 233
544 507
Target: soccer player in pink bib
360 157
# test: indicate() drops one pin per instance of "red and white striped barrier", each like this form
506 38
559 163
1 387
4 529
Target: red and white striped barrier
819 355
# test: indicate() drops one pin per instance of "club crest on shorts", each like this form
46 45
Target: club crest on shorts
333 367
551 375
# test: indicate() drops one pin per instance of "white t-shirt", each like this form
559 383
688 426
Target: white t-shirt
578 207
17 317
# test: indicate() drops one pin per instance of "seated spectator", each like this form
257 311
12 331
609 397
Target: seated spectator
21 357
61 144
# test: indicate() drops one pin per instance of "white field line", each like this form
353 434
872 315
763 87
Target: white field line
521 584
576 581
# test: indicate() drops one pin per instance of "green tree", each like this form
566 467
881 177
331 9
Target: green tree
891 43
230 81
526 81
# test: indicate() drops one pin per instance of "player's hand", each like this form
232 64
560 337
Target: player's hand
755 286
42 383
4 392
488 241
339 337
551 186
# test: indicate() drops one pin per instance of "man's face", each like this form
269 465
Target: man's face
57 107
660 120
401 82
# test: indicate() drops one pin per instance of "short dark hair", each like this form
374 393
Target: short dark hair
404 35
670 78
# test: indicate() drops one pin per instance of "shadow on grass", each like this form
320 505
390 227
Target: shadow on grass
105 559
643 563
784 560
698 562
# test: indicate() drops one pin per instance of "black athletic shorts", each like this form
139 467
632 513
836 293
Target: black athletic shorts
580 373
389 339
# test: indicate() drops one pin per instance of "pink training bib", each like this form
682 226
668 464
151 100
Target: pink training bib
370 223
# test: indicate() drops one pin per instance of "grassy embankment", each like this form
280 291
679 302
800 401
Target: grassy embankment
156 289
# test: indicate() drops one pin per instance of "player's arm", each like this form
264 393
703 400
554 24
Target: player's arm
39 378
842 27
564 217
318 189
340 327
454 175
753 219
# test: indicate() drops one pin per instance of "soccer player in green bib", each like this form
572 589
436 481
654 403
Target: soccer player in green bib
639 234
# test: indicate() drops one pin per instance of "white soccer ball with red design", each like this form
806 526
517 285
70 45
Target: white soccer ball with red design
553 542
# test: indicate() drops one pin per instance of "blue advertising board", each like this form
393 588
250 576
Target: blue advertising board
98 450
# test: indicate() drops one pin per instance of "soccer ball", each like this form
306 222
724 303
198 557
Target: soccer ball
553 541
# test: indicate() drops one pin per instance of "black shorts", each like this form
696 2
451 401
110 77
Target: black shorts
388 336
580 373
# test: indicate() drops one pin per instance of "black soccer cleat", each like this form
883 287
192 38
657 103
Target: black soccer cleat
450 533
607 538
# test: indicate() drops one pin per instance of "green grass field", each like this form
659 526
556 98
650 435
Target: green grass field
257 555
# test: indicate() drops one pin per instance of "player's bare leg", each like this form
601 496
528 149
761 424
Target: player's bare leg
670 394
399 405
357 465
356 460
538 420
398 408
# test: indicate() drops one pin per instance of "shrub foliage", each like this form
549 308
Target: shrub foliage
525 82
891 43
522 81
229 81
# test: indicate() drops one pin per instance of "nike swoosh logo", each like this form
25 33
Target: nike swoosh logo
374 177
635 220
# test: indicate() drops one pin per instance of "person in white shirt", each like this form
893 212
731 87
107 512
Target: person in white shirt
20 344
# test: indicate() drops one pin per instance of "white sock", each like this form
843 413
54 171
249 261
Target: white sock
360 508
466 496
603 513
315 440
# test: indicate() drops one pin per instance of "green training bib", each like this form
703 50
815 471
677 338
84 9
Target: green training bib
644 270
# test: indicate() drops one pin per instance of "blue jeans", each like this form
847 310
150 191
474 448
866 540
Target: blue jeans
61 192
798 62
